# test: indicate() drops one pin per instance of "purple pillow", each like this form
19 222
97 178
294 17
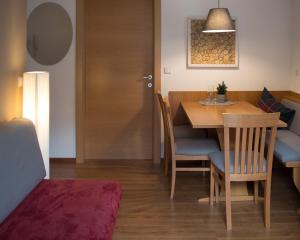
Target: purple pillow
269 104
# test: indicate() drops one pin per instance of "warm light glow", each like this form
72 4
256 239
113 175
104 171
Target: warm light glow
218 31
36 108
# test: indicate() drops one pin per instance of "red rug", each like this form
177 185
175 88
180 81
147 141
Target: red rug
65 209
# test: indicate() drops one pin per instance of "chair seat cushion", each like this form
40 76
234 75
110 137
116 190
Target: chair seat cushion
65 209
217 158
196 146
287 147
186 131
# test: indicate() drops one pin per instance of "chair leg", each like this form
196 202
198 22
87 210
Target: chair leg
228 204
217 192
166 156
267 204
256 185
173 179
203 165
212 185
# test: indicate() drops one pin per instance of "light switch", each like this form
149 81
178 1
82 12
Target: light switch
297 72
167 70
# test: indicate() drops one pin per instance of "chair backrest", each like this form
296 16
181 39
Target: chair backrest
250 141
168 123
164 113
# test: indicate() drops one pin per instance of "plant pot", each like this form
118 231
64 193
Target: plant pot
221 98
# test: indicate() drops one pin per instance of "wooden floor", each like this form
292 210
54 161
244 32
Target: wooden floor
147 213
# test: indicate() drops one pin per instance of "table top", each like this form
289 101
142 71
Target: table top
201 116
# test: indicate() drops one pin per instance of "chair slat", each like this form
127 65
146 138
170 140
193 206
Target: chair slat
255 152
227 149
237 149
262 149
270 153
250 150
243 151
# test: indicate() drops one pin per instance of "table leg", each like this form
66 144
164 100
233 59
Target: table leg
296 178
220 133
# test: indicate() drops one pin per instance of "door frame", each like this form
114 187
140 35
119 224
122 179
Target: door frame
80 81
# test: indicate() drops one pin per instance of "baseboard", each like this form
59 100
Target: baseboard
62 160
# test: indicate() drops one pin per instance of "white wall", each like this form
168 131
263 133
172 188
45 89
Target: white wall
295 86
264 32
62 91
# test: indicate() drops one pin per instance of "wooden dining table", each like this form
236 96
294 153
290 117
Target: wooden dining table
211 116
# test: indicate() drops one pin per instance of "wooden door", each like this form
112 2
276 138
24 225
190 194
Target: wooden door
118 102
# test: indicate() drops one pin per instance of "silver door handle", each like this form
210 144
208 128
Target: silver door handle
149 77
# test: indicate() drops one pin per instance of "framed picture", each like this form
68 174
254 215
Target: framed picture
211 50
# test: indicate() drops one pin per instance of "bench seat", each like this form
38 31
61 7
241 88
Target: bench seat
287 148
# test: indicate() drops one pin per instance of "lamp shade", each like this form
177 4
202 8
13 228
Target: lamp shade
219 20
36 108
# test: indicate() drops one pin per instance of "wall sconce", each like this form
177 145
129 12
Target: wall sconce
36 108
219 20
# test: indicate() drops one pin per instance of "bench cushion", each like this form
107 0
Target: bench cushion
295 125
195 146
21 164
65 209
287 147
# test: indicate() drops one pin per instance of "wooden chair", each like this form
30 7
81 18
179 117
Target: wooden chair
187 149
181 131
247 161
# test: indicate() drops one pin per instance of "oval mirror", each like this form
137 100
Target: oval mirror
49 33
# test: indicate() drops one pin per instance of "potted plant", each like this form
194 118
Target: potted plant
221 91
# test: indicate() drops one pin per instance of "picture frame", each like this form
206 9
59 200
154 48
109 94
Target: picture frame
211 50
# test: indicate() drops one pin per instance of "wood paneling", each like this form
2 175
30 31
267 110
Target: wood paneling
147 213
149 9
157 81
175 98
12 57
119 53
80 81
293 96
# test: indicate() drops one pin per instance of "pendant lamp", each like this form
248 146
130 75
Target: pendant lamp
219 20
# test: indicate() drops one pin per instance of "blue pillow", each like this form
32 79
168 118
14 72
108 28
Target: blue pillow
269 104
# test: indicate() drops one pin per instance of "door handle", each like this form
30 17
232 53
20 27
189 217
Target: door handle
149 77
